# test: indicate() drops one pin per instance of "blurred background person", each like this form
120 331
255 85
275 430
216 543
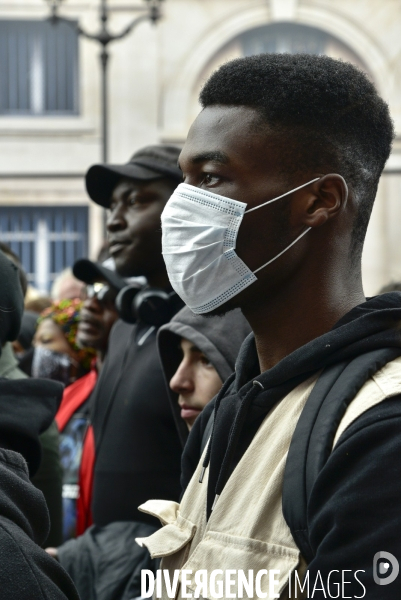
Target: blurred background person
97 316
393 286
48 478
66 286
99 312
58 356
37 304
197 356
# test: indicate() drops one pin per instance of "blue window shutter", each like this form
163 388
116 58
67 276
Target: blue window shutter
66 234
38 67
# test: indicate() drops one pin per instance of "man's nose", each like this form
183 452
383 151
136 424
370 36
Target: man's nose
92 304
116 218
182 380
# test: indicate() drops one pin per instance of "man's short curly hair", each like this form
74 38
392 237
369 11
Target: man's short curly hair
332 110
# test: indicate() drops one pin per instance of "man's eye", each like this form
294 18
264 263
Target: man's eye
204 360
209 179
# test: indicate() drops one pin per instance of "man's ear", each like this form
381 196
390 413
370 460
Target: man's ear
327 198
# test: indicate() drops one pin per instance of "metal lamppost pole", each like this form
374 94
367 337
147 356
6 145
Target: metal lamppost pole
104 38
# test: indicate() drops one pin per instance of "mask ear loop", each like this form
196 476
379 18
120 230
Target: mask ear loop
299 237
282 252
282 195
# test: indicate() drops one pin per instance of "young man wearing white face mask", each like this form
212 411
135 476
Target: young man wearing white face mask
300 472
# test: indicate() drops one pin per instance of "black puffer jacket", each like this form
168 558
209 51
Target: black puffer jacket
27 408
27 572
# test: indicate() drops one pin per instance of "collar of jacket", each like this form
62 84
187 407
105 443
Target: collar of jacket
371 325
239 412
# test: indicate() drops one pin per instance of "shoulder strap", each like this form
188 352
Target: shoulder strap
314 434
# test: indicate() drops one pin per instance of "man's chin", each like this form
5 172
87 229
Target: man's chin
87 342
124 266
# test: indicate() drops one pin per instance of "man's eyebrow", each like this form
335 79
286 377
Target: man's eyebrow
215 156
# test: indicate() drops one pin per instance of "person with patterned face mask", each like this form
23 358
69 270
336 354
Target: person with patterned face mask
57 355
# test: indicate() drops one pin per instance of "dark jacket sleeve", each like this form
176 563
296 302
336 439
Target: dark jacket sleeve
27 571
49 480
354 508
106 562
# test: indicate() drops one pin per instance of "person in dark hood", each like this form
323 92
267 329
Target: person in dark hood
27 409
48 476
198 355
281 169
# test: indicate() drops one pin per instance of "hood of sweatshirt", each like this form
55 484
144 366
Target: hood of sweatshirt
249 395
11 301
219 338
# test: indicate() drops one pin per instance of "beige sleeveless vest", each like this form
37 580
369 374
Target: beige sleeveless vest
246 529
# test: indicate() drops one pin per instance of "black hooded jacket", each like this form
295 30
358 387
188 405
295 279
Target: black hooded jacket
27 408
354 509
138 451
27 572
11 300
219 338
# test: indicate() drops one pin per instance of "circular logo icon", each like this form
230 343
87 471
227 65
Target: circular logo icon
385 568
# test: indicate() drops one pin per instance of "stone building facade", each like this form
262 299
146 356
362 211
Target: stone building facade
50 131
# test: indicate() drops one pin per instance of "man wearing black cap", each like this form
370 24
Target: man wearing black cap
137 445
98 313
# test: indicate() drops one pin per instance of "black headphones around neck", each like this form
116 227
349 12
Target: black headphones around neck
152 306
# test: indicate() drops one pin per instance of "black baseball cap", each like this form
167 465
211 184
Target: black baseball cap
92 272
151 162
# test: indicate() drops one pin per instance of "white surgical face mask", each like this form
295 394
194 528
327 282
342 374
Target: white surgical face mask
199 236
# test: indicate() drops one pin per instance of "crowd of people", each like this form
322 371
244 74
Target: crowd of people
215 392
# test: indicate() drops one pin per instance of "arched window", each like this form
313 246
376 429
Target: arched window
285 37
282 37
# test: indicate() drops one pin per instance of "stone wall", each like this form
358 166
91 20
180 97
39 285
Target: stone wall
155 75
